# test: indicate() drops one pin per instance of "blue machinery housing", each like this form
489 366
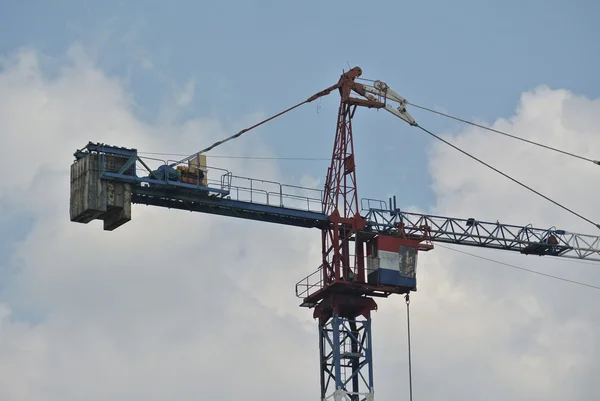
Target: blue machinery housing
229 195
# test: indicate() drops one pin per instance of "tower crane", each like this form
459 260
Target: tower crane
369 250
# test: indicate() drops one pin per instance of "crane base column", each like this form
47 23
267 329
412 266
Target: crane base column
345 345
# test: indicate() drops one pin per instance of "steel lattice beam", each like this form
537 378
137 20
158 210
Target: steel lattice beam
340 200
523 239
346 359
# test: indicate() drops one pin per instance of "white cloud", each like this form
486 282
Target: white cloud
154 309
517 333
188 306
187 94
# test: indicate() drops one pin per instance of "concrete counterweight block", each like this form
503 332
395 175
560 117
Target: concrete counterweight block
94 198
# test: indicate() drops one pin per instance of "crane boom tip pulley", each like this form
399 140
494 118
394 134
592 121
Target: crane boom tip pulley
381 90
379 94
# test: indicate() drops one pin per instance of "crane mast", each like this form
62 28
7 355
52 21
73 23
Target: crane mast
345 340
340 201
343 300
367 252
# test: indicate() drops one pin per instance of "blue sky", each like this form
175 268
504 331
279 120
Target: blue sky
76 296
472 58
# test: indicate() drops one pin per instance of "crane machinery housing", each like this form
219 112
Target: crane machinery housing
369 249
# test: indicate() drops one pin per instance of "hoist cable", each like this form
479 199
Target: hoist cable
317 95
214 145
505 134
409 348
510 178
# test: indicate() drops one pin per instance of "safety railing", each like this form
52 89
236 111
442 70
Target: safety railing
367 204
253 190
273 193
310 284
314 281
154 171
299 196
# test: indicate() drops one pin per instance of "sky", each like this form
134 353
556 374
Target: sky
187 306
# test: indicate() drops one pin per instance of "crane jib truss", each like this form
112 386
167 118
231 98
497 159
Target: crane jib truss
105 180
524 239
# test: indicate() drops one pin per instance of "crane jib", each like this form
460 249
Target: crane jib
523 239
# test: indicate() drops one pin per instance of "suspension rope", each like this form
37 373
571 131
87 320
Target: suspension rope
407 298
214 145
510 178
505 134
317 95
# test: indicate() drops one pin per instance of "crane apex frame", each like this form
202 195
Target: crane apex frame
367 252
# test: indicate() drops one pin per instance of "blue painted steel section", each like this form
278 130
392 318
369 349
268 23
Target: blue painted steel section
335 323
282 211
129 163
166 182
199 201
346 358
391 278
101 148
369 350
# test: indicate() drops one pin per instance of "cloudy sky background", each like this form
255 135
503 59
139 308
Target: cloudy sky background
186 306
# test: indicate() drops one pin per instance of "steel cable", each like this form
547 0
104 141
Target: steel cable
505 134
407 298
214 145
511 178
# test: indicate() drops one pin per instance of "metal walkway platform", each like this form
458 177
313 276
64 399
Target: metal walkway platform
214 190
198 201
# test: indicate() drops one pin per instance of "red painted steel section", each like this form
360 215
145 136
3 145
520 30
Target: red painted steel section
343 259
344 288
393 244
344 305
